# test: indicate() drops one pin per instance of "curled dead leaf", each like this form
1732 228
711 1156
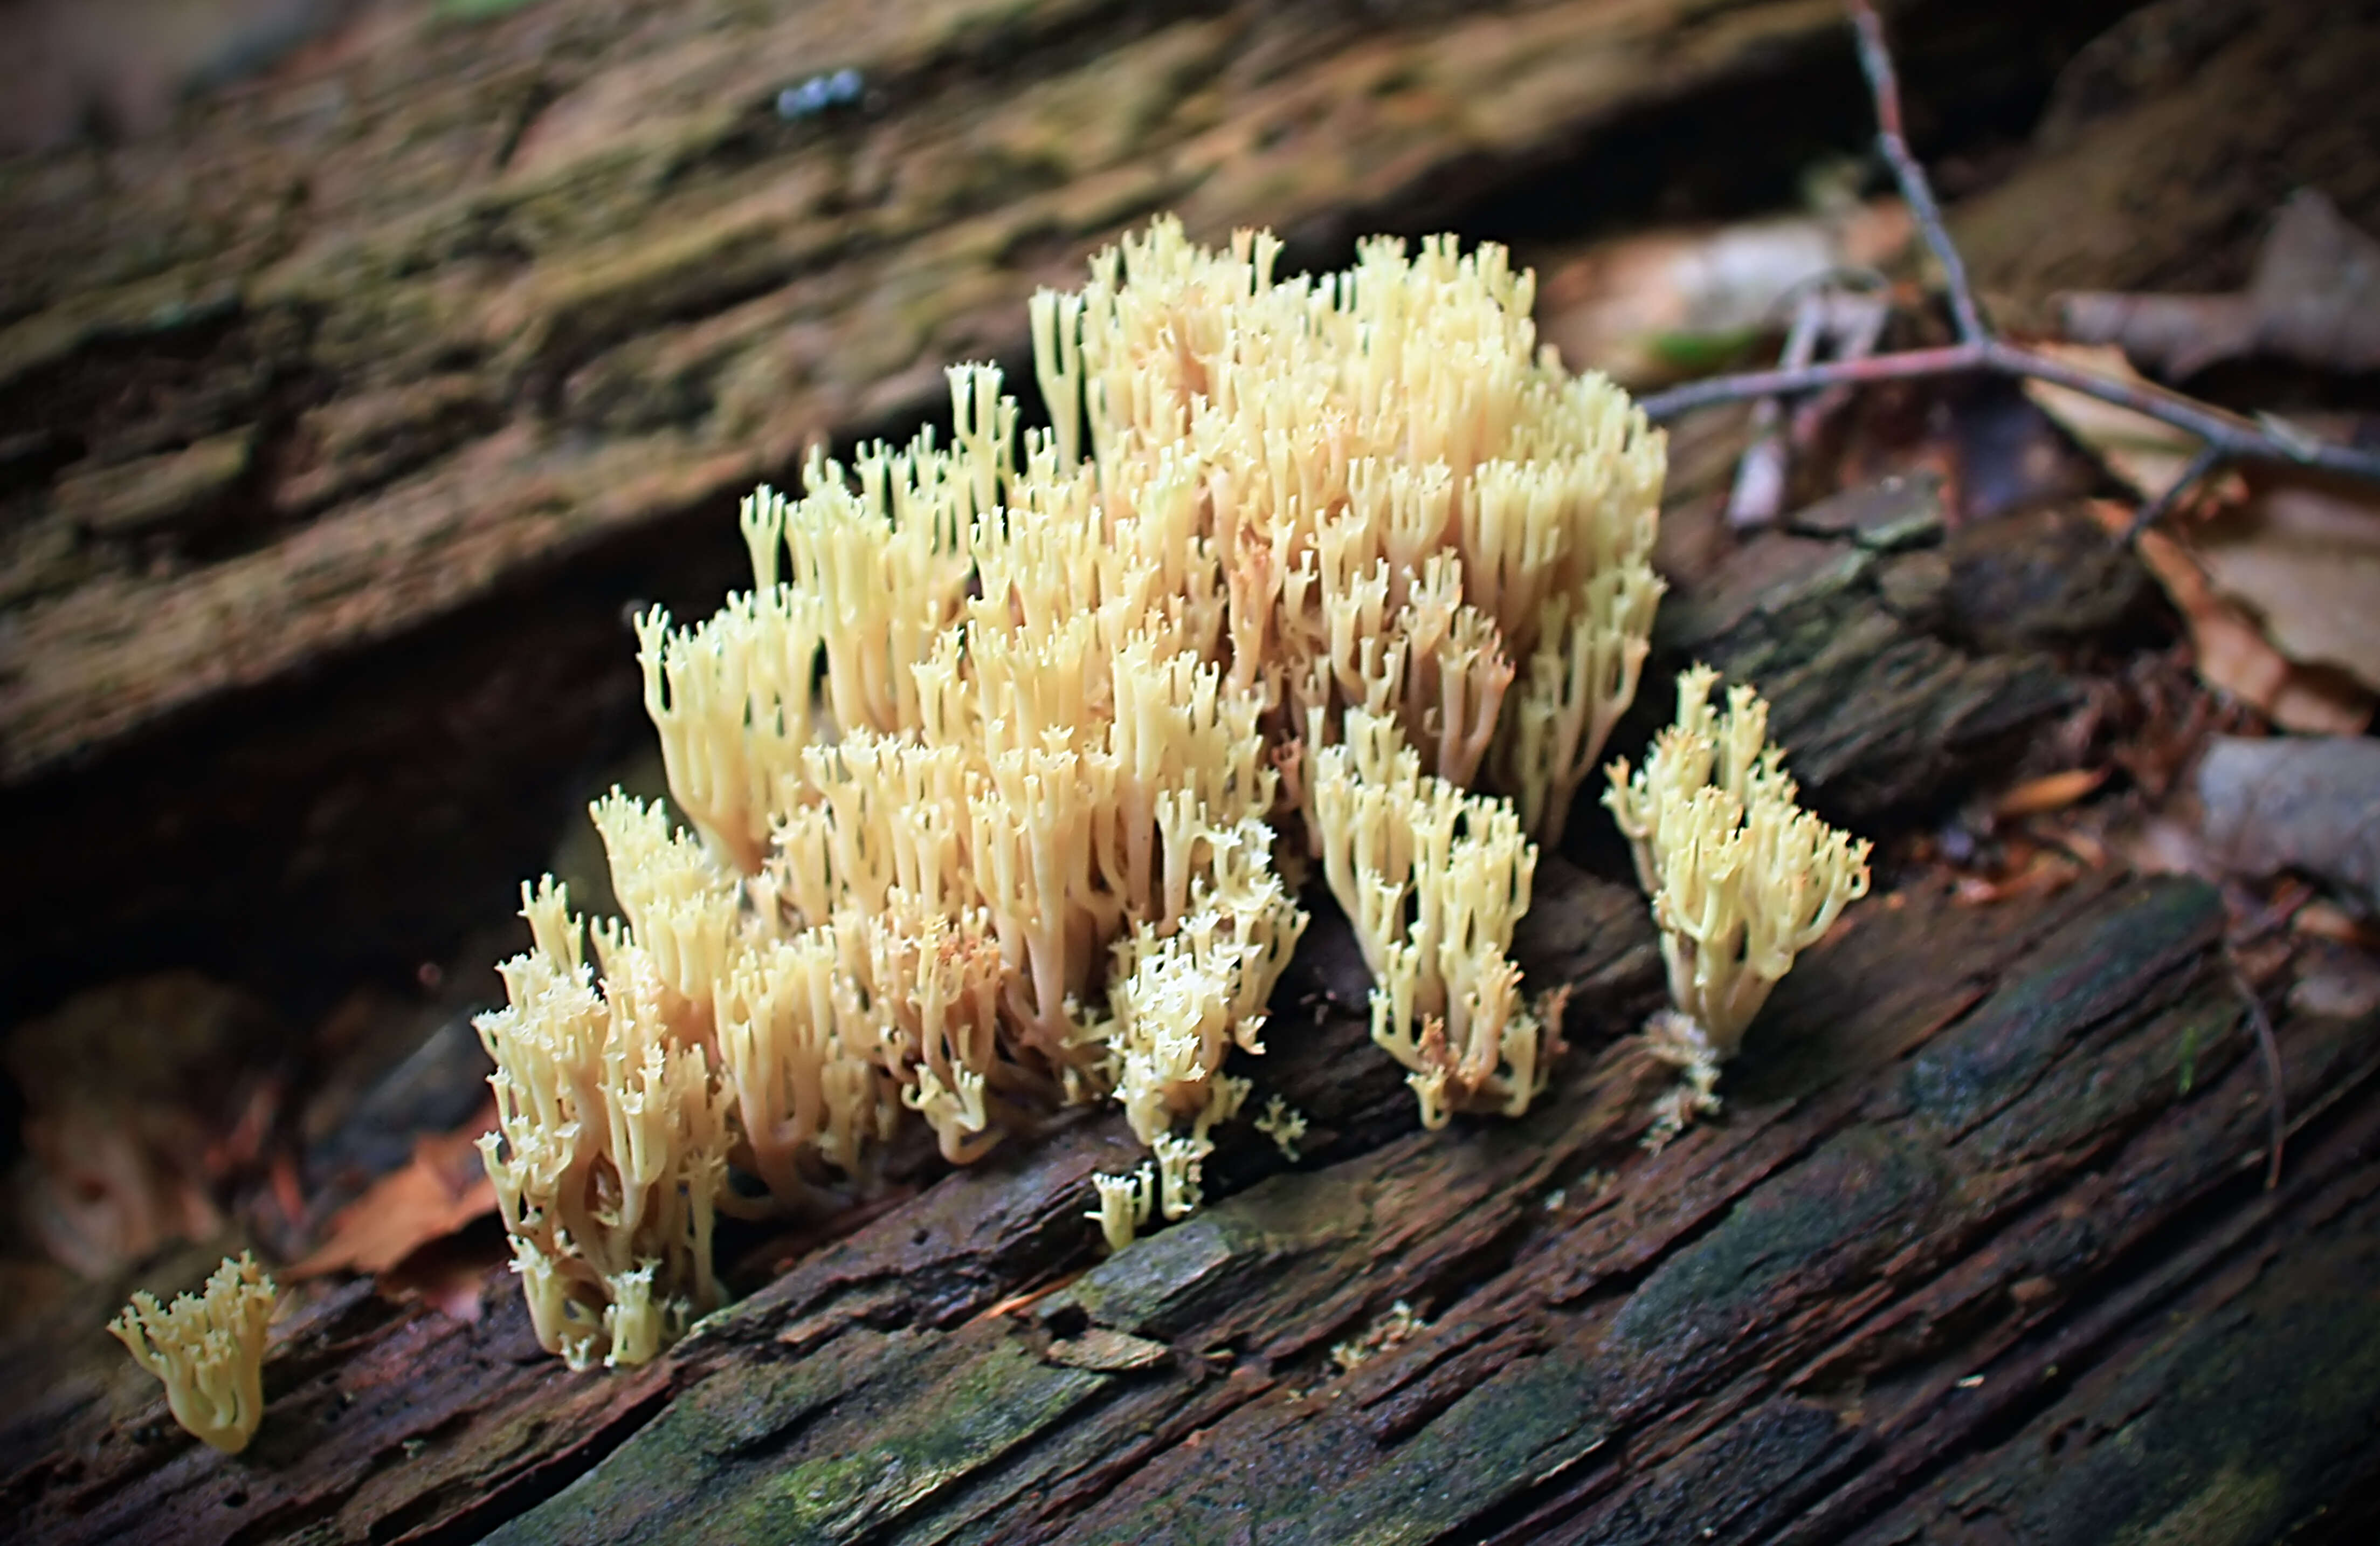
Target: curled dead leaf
2231 653
2309 803
2315 298
2294 562
442 1188
2305 562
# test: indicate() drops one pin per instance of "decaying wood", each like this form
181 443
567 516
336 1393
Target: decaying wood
1842 620
452 339
349 348
1981 1221
1977 1252
410 322
1987 1178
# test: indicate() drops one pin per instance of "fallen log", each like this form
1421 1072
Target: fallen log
463 298
341 422
1729 1340
1983 1174
2000 1141
1975 1252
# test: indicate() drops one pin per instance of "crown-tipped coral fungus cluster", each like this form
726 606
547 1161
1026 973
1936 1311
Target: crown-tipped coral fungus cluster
1003 774
207 1350
1743 879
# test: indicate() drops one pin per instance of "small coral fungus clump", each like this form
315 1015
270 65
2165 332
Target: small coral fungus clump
1742 880
1001 773
208 1348
1433 881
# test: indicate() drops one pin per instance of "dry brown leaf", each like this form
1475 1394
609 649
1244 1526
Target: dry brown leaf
2146 453
2233 655
2315 298
1624 306
2050 792
443 1189
2306 561
2309 803
2303 560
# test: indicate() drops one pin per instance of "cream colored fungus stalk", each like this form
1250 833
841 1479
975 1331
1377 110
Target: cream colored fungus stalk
207 1349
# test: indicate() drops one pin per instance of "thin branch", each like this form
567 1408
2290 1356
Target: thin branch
2225 436
2270 1048
1951 360
2201 467
2236 438
1884 85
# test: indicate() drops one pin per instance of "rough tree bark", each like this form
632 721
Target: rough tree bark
400 327
336 426
1977 1252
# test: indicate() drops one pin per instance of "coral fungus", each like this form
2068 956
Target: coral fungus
1743 879
1002 773
208 1349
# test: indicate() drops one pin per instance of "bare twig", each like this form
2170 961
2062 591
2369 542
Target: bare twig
2225 436
2262 1024
1758 496
1884 85
2236 438
2201 467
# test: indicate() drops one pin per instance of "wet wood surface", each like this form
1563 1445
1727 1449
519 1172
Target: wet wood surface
473 297
1977 1250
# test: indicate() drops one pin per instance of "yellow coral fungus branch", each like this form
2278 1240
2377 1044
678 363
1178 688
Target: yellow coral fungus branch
207 1350
1742 878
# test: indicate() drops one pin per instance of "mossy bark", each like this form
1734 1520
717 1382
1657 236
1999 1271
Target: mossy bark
1978 1228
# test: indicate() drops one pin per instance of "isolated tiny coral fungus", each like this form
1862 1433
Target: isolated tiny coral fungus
1743 879
208 1349
1001 775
